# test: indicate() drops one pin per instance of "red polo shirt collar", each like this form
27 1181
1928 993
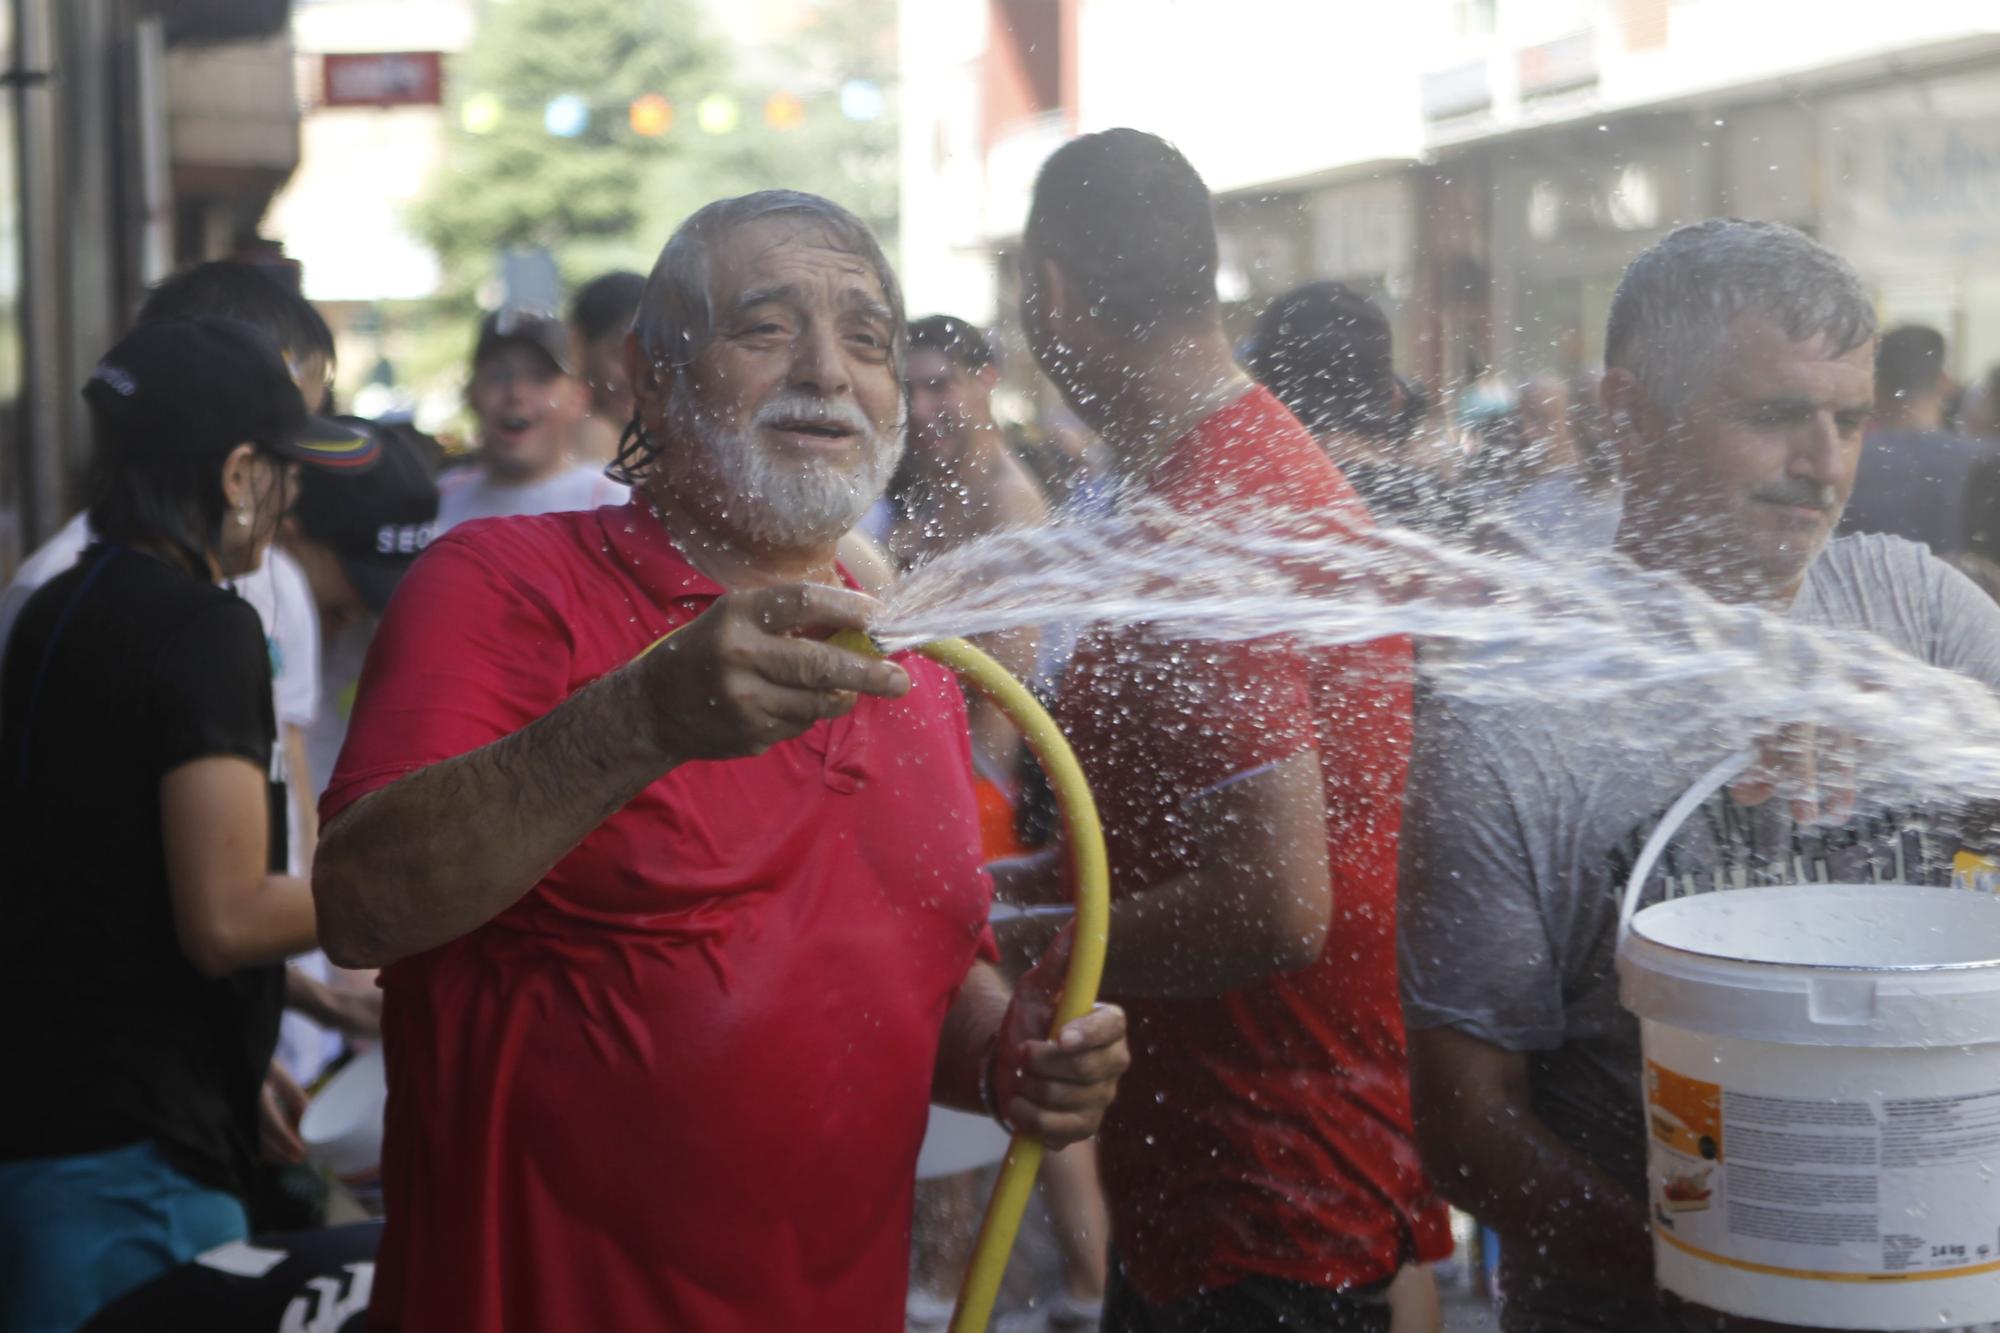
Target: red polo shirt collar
640 541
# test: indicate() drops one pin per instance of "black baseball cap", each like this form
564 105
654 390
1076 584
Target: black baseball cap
530 328
376 522
196 387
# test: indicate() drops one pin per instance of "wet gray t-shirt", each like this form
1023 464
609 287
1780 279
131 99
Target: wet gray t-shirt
1522 823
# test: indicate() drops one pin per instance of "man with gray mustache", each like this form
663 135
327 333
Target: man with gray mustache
1739 376
677 947
784 499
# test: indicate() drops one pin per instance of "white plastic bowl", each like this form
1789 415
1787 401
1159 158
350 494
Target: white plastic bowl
956 1142
342 1126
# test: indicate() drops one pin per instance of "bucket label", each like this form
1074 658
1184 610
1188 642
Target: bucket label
1863 1191
1979 871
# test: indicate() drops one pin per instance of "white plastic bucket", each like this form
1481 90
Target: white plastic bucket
342 1126
1822 1082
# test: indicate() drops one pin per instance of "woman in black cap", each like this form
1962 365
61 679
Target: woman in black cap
144 916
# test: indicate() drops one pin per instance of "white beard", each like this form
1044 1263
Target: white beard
790 503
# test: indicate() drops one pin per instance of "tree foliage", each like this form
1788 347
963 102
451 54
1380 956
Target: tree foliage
854 162
610 196
519 185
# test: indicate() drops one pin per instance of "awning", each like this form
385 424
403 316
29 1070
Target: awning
198 22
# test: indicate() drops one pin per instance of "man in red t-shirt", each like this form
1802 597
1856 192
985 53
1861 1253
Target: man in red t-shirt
661 1030
1260 1164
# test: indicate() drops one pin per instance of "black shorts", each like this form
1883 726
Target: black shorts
1254 1305
315 1279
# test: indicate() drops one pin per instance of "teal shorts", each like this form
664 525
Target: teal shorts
78 1232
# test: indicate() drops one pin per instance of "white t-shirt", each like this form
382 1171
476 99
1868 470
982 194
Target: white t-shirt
340 661
467 493
283 601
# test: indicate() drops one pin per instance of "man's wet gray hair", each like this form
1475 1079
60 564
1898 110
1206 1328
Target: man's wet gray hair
1671 314
677 312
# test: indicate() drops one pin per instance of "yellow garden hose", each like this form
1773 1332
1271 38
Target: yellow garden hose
1090 872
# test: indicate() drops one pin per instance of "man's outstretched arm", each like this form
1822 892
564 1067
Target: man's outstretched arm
1259 903
1492 1156
446 849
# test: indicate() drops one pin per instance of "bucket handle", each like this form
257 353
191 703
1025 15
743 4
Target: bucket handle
1670 823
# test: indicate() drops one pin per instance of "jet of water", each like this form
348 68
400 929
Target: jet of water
1493 625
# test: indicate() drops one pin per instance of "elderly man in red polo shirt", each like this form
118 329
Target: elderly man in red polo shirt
661 1030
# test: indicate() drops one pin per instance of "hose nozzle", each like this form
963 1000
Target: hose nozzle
857 641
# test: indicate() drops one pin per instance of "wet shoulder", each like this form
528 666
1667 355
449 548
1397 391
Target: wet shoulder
1576 769
557 557
1255 452
1887 586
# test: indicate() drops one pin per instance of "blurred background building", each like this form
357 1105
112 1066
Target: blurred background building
369 81
407 162
134 136
1485 168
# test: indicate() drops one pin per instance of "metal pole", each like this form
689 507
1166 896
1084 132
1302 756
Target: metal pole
32 88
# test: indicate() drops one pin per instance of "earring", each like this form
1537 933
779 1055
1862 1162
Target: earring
243 518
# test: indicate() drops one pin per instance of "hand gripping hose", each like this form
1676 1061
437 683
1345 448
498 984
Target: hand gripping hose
1090 872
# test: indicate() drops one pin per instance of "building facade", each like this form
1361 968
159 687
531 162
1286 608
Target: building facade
135 136
1484 168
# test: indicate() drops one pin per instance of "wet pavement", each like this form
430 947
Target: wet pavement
1465 1312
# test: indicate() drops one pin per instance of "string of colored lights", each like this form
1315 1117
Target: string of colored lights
651 115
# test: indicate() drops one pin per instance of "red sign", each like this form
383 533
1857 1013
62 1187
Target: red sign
385 78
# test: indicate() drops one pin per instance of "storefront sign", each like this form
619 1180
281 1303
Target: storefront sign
1912 186
1943 171
386 78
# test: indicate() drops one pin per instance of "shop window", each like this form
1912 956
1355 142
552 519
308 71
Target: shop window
1634 201
204 21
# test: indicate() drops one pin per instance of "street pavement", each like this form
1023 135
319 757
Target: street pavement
1466 1313
1035 1269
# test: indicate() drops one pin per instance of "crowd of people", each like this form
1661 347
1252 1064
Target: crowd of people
673 919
